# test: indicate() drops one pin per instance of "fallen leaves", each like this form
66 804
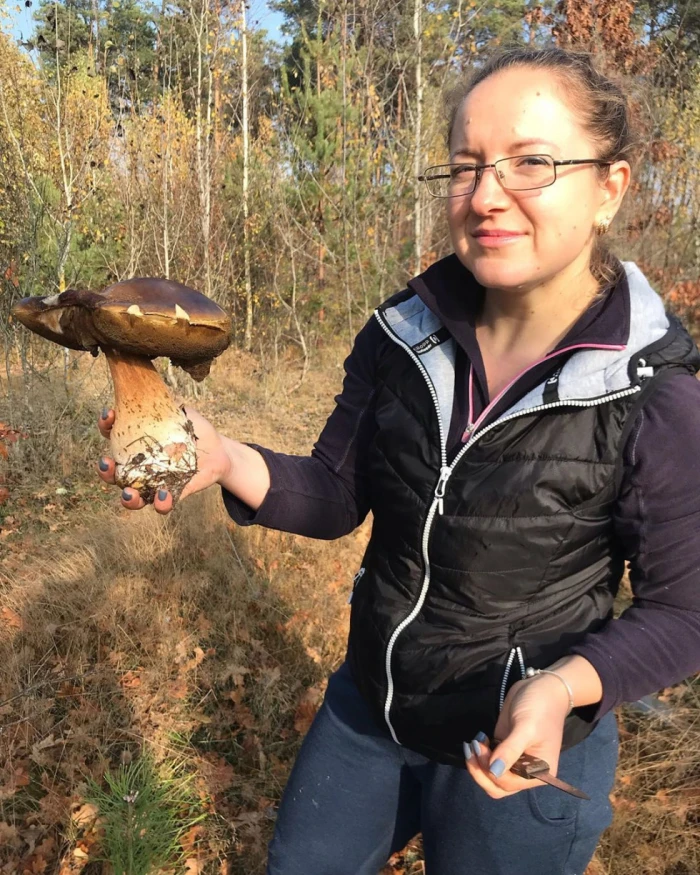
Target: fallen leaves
10 436
85 815
307 708
9 835
131 679
178 689
11 619
75 860
190 838
17 775
12 273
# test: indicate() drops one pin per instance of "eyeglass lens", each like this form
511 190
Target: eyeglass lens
519 174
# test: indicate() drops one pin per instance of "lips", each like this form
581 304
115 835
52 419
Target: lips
497 238
497 234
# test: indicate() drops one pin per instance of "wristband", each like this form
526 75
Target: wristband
533 672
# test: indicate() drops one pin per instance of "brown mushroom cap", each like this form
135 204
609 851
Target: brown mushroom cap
143 317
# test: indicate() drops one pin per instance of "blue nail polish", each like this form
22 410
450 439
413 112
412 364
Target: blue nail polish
105 413
497 768
162 494
481 736
126 495
476 748
103 465
467 750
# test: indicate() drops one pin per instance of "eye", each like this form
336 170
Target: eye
461 169
531 161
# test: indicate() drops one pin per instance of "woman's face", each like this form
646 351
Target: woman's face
521 111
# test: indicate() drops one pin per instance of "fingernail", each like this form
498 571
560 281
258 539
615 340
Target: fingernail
467 750
497 768
126 495
162 494
476 748
105 413
103 465
481 736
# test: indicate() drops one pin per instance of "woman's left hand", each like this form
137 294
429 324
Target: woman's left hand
531 721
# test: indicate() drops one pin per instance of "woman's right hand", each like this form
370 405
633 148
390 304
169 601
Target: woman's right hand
213 463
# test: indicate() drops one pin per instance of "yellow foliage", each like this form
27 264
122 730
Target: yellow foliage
17 113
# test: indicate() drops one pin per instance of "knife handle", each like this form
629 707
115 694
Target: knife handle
528 766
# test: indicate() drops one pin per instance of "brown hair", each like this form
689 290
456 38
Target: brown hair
599 103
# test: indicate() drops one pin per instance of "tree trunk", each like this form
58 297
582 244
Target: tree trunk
94 51
202 128
418 153
246 171
159 42
346 254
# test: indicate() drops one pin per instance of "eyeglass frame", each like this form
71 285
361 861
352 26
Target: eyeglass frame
479 169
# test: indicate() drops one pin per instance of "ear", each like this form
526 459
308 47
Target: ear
613 190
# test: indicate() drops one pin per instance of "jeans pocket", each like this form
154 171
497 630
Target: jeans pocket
589 766
551 806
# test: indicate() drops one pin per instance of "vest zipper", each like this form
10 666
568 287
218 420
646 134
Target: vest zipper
515 651
446 472
421 367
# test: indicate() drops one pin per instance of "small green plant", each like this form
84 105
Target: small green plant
144 813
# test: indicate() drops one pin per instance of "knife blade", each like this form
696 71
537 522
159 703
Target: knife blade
529 766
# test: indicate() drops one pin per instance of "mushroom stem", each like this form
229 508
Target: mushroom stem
152 441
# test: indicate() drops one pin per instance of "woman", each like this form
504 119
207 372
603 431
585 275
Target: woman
520 420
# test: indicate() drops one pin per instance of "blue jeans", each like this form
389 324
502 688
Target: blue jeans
354 797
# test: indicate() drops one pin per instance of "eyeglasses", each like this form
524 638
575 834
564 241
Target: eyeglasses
521 173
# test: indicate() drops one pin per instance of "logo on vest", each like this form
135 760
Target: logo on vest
431 341
551 388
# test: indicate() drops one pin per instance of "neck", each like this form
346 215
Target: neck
533 320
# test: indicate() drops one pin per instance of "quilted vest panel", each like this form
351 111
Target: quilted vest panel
521 556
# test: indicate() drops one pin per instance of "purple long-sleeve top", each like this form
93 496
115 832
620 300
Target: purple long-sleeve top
656 641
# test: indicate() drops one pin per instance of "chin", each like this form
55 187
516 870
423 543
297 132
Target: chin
500 274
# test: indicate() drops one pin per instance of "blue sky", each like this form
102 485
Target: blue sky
21 22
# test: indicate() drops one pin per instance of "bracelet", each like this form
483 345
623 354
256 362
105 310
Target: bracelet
531 672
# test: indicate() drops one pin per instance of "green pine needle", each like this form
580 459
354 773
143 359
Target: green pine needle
144 813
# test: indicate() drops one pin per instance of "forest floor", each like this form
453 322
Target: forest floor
208 645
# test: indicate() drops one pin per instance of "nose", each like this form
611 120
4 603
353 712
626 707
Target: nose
489 192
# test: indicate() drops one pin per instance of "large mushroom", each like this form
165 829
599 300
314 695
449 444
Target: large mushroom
132 322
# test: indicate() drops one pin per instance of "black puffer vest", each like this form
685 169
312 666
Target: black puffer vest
506 556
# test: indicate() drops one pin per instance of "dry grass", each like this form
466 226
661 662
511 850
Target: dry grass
656 829
198 640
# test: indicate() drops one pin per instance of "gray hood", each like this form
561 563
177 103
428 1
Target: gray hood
588 374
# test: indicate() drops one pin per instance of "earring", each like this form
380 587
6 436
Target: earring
602 227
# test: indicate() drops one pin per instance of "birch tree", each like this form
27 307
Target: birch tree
245 126
205 59
418 152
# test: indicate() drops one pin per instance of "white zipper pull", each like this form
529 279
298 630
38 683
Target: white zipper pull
355 581
440 488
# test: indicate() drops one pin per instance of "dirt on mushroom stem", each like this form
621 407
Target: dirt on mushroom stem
152 441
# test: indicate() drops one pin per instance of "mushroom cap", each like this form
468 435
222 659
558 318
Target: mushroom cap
142 316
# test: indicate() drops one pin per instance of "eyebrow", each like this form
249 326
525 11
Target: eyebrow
536 141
